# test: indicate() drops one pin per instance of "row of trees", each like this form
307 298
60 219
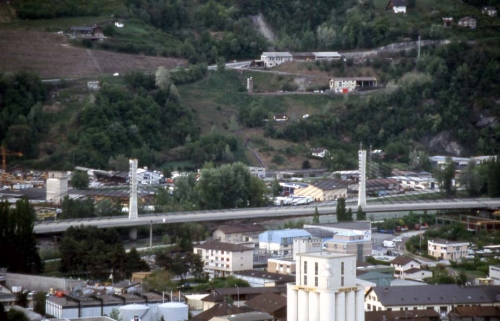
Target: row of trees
17 240
92 252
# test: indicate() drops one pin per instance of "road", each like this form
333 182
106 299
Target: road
267 212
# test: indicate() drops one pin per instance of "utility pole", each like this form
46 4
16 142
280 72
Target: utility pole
418 55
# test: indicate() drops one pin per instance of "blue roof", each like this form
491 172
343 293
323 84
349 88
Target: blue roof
277 235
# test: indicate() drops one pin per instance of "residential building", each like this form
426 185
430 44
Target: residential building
447 250
272 59
468 22
262 278
94 33
280 242
440 297
398 6
319 152
239 233
490 11
223 259
495 274
350 242
260 172
281 265
325 190
325 289
447 21
271 303
408 268
346 85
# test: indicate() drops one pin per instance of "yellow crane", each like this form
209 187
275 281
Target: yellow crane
6 153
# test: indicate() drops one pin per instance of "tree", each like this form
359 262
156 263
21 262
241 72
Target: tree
15 315
134 263
80 180
159 280
221 65
115 314
17 240
341 210
445 176
349 215
22 299
276 188
360 215
471 179
315 219
39 302
163 80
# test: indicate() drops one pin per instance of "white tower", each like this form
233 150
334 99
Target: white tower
325 289
57 187
362 178
132 204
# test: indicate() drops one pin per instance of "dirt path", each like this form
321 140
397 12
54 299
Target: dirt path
263 27
89 52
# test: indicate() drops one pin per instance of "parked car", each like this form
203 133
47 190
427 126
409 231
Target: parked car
388 244
397 239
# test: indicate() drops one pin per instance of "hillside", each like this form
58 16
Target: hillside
447 101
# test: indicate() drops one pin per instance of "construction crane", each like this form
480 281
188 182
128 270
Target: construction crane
6 153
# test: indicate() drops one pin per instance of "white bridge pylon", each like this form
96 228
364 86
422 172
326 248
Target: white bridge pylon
362 178
132 204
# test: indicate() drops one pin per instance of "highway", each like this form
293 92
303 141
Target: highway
262 212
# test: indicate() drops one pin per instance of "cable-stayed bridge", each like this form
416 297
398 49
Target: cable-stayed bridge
414 200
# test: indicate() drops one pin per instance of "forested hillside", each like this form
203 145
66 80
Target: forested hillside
446 101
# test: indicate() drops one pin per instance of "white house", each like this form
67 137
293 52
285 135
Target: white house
275 58
260 172
325 288
447 250
223 259
327 55
349 84
495 274
319 152
408 268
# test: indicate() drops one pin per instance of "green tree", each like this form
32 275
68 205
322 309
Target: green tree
221 65
17 240
471 179
15 315
360 215
445 176
315 219
115 314
134 263
276 188
159 280
39 302
341 210
306 164
22 299
163 80
349 215
80 180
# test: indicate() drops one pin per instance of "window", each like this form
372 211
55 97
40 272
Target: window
316 269
305 279
316 281
227 259
305 267
369 306
342 268
342 281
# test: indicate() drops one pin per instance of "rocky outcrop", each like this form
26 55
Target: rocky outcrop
443 143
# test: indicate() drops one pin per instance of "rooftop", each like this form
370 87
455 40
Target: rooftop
241 228
221 246
267 302
402 260
325 255
266 275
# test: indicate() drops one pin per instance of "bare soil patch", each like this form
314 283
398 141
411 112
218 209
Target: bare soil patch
51 56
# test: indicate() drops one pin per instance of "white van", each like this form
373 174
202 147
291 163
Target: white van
389 244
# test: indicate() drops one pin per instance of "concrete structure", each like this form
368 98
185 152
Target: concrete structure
57 186
490 11
362 179
250 85
349 84
440 298
281 266
222 259
132 210
260 172
172 311
413 315
328 55
447 250
280 242
325 289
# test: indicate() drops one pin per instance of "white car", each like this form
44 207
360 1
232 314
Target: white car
397 239
388 244
470 257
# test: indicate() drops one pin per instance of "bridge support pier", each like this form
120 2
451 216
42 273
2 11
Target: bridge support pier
132 234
